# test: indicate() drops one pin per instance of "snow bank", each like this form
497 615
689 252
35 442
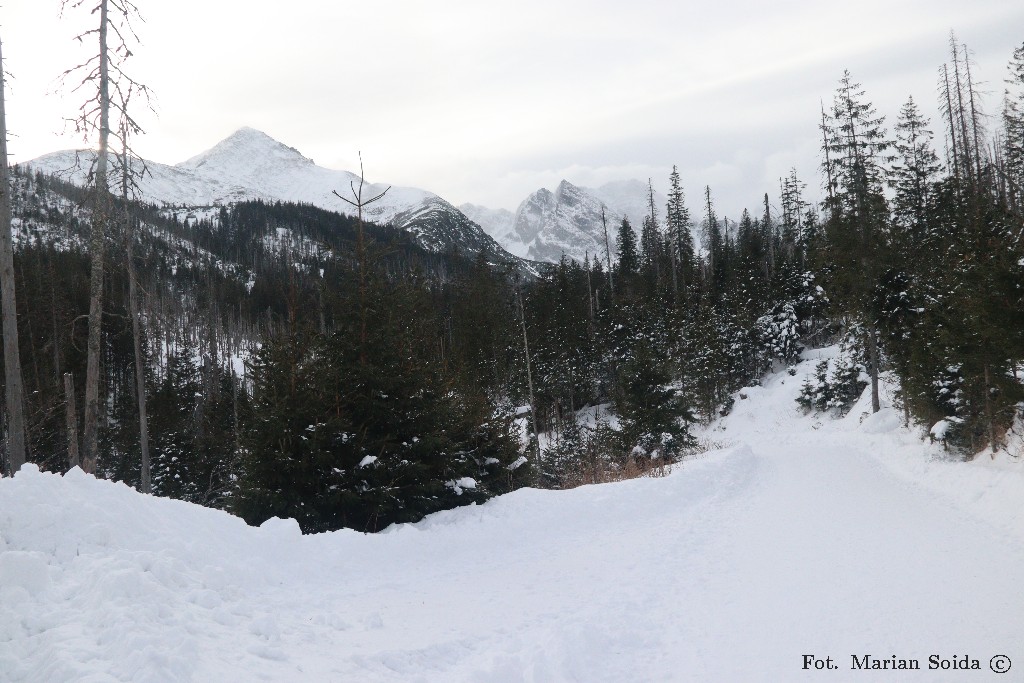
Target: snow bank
98 582
801 535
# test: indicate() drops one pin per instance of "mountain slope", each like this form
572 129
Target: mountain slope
251 165
796 538
495 222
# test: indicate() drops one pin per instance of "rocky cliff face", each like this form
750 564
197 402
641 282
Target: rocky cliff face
565 222
568 221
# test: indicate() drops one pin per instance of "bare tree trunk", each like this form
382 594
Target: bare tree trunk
234 411
12 358
71 419
140 367
673 250
964 138
590 301
608 255
96 248
57 373
989 416
830 182
975 125
769 269
876 404
952 123
145 483
529 382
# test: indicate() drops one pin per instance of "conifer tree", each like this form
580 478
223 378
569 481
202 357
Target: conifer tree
655 412
915 170
794 208
714 244
677 219
1013 126
362 436
856 150
629 260
650 241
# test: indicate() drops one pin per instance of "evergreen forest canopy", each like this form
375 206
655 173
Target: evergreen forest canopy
383 382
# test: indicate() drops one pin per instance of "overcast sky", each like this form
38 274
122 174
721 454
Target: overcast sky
485 101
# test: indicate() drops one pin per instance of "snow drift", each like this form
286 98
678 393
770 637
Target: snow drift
798 535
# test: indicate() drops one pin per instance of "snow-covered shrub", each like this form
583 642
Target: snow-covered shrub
815 392
945 430
837 383
780 333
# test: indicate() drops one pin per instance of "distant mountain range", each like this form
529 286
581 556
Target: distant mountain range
567 221
249 164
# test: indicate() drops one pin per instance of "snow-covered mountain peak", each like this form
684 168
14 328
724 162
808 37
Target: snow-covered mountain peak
247 154
550 225
249 164
571 220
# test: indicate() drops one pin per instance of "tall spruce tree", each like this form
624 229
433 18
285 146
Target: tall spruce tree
629 260
856 149
915 169
1013 127
677 219
714 244
794 208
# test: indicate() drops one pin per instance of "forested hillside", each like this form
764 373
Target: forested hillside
300 363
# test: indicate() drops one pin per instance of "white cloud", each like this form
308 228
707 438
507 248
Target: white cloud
487 101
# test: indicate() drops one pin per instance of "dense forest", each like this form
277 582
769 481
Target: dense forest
301 363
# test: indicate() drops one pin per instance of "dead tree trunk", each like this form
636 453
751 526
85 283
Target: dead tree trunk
990 418
133 305
71 420
608 255
529 383
873 362
97 244
12 358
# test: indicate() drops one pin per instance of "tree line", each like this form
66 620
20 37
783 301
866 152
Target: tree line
279 359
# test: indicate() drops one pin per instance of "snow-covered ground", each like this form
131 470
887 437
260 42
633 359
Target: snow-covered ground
799 536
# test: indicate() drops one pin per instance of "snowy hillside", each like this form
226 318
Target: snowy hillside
250 164
495 222
797 536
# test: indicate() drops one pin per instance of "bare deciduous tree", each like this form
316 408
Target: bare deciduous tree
104 72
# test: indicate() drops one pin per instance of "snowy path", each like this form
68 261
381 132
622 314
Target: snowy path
791 541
